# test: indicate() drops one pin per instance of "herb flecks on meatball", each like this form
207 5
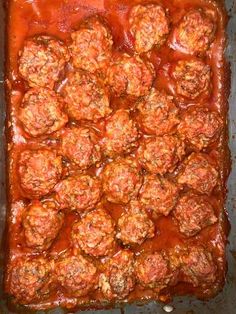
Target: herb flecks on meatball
42 59
94 233
76 274
158 194
78 192
117 281
157 113
195 32
160 155
134 226
121 180
86 97
121 134
91 46
41 224
199 173
200 127
130 75
193 213
192 78
39 171
149 26
80 146
42 112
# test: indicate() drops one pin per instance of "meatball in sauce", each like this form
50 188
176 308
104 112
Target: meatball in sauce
42 112
160 155
121 180
78 192
94 233
117 280
80 146
121 134
130 75
194 33
91 46
149 26
157 113
41 224
39 171
134 226
41 61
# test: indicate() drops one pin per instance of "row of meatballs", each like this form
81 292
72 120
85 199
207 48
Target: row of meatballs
144 199
34 278
43 60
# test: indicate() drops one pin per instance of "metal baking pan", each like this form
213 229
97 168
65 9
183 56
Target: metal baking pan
225 302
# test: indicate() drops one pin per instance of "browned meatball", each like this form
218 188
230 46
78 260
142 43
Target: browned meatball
130 75
94 233
192 78
121 134
41 112
41 60
193 213
200 126
149 26
160 154
91 45
153 270
29 279
79 192
134 226
195 32
85 96
79 144
197 266
41 224
117 280
39 171
158 194
157 114
121 180
198 173
76 275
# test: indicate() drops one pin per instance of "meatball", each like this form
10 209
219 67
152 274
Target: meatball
42 60
41 223
198 267
117 280
160 155
121 134
39 171
158 194
78 192
77 275
149 26
134 226
199 174
192 78
41 112
79 144
200 126
91 46
195 32
157 114
153 270
29 279
94 233
193 213
121 180
130 75
85 96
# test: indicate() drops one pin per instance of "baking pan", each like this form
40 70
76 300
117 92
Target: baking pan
225 302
